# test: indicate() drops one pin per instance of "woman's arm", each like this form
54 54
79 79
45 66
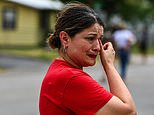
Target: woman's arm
121 103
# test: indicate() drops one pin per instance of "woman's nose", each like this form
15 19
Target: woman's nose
96 46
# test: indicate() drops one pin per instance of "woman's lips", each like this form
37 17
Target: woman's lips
92 56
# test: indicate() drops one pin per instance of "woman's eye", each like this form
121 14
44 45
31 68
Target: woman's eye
90 38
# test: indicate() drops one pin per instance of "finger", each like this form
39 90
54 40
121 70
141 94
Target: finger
100 44
108 45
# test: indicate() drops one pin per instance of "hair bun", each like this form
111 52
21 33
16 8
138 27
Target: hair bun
50 40
54 41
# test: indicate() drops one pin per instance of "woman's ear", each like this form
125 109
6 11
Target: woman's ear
64 38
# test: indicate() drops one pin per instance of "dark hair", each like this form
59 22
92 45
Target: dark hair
74 18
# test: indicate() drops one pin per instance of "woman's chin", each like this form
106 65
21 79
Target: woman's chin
91 63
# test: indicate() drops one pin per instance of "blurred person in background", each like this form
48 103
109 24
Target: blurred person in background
124 39
143 44
66 89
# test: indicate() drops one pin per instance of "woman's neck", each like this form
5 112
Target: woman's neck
67 58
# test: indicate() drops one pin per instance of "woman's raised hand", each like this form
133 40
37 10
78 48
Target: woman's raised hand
107 53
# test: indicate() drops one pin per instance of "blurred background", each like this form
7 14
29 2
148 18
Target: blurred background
25 56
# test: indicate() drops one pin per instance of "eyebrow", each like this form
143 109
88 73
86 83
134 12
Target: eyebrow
92 33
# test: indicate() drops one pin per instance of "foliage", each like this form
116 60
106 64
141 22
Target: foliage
129 10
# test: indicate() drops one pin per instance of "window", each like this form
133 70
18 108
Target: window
9 18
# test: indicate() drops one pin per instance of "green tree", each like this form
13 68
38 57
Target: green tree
129 10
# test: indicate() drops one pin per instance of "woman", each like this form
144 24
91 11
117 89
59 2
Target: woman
66 88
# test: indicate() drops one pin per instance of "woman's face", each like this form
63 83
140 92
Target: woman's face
84 47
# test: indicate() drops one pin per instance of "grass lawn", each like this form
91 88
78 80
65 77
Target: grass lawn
2 69
136 50
38 53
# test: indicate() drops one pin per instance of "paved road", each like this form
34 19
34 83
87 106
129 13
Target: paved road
21 81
